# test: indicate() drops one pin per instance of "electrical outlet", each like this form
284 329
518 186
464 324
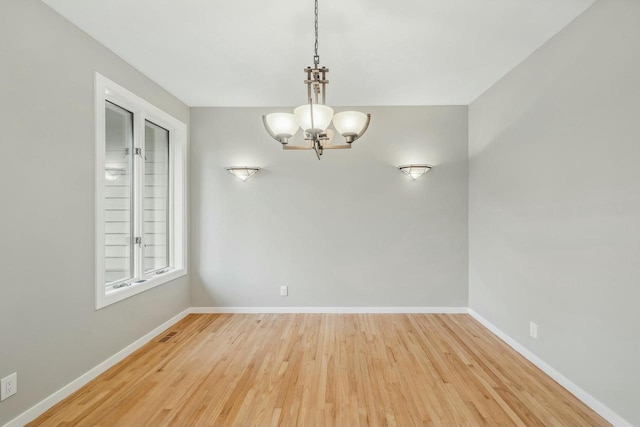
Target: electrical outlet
284 291
533 330
8 386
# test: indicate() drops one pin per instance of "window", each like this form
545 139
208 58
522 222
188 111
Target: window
140 194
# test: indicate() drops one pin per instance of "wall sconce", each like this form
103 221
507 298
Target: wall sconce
243 172
415 171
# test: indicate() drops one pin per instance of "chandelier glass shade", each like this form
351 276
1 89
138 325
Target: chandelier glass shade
350 124
281 126
315 117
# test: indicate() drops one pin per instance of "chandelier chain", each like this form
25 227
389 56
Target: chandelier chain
316 58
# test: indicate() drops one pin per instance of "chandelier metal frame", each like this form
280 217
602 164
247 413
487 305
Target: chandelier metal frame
352 124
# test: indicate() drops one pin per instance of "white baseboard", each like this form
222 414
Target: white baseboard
604 411
344 310
41 407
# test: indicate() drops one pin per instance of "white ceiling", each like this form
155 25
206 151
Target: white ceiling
380 52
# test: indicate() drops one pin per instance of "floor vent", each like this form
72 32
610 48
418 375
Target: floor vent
167 337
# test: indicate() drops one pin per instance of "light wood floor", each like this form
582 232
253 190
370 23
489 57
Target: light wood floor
323 370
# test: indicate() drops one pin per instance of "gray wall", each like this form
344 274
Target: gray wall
50 332
349 230
555 203
554 206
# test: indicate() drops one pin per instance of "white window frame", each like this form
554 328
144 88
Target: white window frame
106 90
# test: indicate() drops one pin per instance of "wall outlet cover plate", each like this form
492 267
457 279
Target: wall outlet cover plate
8 386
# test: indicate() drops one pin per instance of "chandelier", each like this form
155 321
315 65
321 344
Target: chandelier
315 116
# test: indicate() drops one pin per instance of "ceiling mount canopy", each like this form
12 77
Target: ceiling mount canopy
315 116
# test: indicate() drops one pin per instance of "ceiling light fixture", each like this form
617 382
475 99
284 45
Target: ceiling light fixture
415 171
315 117
243 172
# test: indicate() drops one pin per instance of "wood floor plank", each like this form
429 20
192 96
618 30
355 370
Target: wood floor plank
363 370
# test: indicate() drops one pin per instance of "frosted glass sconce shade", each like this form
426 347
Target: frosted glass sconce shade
350 123
415 171
243 172
281 126
322 116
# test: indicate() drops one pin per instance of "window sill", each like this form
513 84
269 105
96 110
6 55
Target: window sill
112 296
